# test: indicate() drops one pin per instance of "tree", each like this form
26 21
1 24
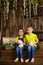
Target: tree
35 4
29 8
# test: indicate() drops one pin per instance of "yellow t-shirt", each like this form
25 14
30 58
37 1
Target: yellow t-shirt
31 38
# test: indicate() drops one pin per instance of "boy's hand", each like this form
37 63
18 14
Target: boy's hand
31 43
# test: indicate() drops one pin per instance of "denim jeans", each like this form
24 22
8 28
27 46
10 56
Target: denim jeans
31 52
19 52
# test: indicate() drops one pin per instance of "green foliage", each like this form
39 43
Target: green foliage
9 44
42 2
34 2
1 9
6 1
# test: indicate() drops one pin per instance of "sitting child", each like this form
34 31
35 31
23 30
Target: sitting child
20 44
31 41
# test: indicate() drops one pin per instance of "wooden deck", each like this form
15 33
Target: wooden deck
8 56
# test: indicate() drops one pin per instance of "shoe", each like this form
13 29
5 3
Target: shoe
27 60
16 60
32 60
22 60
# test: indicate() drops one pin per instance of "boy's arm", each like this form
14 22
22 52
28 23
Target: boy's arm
36 39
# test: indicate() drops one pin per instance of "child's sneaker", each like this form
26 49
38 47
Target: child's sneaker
22 60
26 60
32 60
16 59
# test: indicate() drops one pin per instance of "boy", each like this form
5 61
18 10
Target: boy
20 44
31 41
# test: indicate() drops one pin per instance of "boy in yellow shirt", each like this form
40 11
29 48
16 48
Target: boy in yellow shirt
20 44
31 41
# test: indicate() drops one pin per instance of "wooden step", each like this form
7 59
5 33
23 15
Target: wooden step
10 54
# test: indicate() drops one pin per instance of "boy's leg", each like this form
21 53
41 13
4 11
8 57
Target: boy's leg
17 54
29 53
33 53
21 54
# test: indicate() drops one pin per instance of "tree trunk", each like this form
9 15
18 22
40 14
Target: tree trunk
35 9
29 8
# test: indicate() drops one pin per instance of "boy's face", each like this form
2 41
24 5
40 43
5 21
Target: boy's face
29 30
21 32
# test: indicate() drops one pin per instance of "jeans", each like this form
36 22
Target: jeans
19 52
31 52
